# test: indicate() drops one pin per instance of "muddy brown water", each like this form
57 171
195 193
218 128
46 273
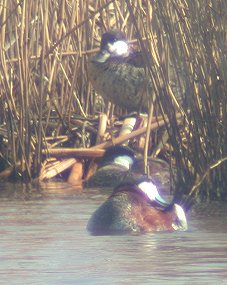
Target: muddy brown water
43 240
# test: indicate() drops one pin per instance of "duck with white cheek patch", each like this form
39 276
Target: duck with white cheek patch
113 168
117 73
136 207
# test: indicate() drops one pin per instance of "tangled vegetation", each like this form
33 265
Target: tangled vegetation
46 99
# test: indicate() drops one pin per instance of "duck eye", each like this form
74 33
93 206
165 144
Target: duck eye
119 48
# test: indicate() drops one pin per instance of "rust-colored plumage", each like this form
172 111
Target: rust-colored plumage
136 207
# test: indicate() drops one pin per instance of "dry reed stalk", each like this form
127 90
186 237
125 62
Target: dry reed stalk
74 152
154 125
76 174
98 150
56 168
196 53
188 51
101 128
127 127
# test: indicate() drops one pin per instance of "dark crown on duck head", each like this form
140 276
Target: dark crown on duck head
147 189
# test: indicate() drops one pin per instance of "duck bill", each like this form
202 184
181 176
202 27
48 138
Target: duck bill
180 223
160 201
101 56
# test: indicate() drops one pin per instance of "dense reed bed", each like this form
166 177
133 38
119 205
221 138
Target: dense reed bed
46 98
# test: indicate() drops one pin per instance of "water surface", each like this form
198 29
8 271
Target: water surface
43 240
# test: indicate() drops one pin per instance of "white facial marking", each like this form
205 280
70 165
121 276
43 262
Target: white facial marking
119 48
124 160
149 189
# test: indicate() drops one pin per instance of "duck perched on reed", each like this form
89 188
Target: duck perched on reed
136 207
117 73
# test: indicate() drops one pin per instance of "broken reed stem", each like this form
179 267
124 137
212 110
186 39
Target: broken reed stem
98 150
147 140
134 134
74 152
55 168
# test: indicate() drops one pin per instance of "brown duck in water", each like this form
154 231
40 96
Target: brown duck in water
117 73
120 163
136 207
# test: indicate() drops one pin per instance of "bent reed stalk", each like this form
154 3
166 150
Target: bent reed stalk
45 91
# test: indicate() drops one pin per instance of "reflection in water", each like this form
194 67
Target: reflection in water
43 240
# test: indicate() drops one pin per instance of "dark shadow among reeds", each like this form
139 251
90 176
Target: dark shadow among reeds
46 99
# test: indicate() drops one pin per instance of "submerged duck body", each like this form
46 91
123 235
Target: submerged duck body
120 163
114 167
136 207
117 73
